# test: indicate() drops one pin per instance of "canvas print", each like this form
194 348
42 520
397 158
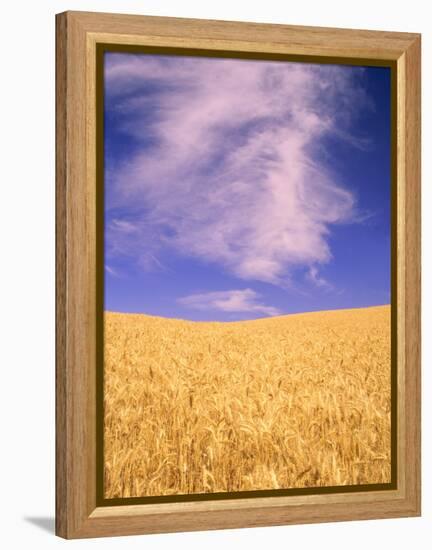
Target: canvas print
247 275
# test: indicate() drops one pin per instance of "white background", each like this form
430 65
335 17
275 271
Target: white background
27 271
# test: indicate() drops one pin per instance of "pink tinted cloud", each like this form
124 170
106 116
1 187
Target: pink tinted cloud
229 301
314 277
234 173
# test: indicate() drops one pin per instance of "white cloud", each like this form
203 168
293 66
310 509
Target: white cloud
111 271
233 175
229 301
314 277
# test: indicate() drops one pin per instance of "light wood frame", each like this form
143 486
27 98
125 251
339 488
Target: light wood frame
78 33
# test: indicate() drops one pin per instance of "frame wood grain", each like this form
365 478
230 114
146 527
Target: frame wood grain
78 34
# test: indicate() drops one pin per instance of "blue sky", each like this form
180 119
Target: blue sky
238 189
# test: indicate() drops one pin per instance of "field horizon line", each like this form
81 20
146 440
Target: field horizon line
260 319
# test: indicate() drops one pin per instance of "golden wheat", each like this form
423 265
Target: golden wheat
293 401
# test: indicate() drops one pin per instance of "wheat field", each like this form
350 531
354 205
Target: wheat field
284 402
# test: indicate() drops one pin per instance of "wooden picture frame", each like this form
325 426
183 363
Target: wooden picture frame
78 296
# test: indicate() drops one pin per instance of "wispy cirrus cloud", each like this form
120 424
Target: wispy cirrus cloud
316 279
229 301
111 271
227 162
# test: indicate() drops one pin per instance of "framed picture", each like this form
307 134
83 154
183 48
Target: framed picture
238 274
